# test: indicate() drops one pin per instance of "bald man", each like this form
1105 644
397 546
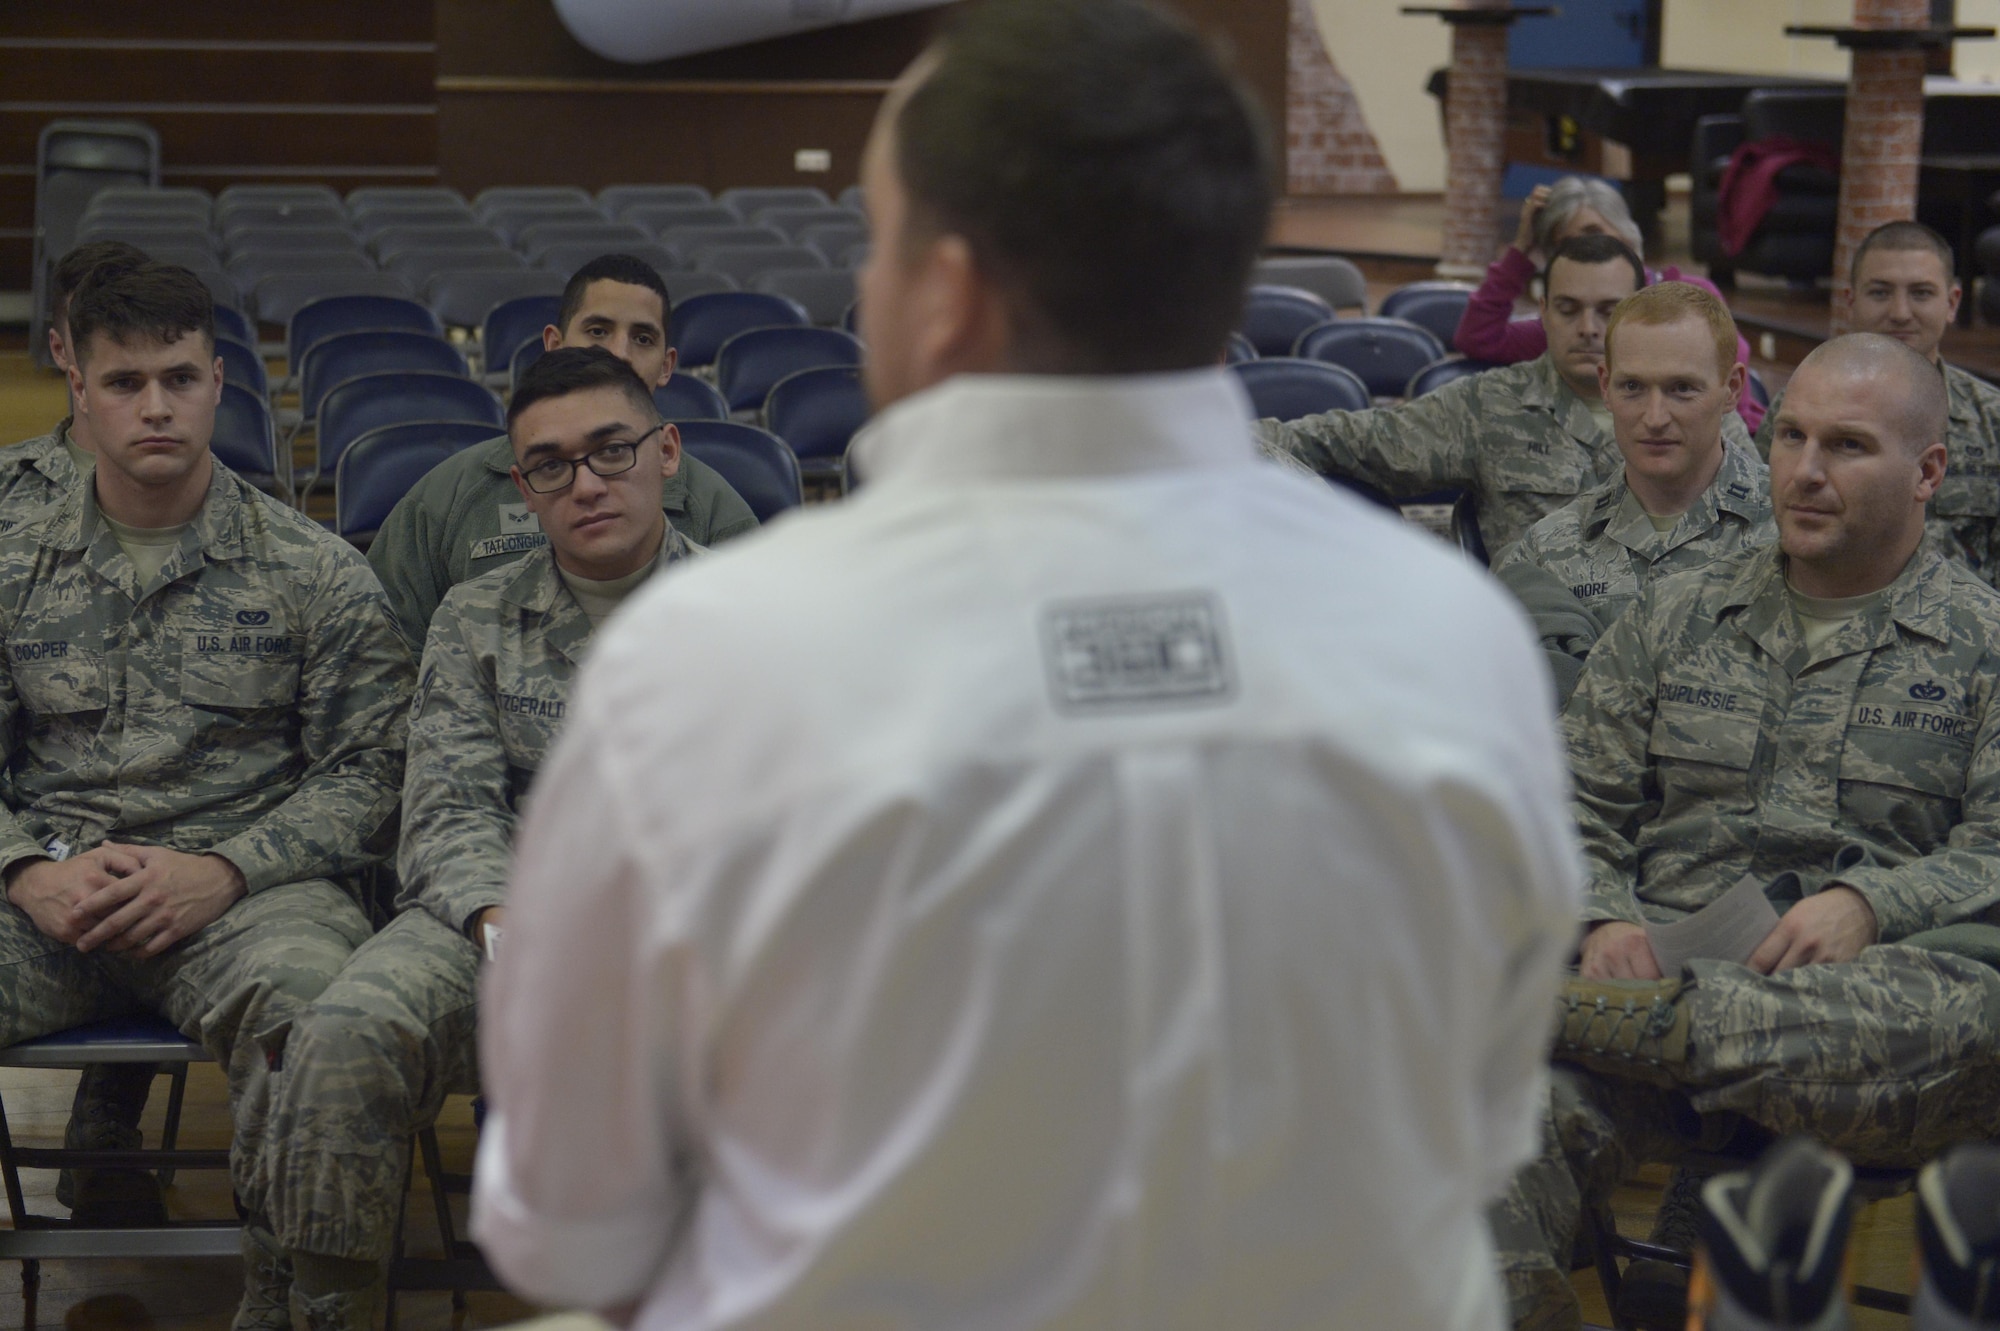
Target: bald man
1817 717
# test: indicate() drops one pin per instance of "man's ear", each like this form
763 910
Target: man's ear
1951 303
58 350
1738 380
551 337
74 373
1931 467
670 451
668 366
1604 379
966 328
520 483
1843 299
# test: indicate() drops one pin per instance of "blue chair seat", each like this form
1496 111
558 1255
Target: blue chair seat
139 1038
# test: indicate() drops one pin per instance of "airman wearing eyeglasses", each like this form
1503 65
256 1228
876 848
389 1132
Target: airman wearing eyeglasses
373 1059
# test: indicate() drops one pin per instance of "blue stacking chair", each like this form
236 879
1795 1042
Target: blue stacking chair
1273 317
686 398
241 365
509 324
335 360
817 412
1240 349
1386 353
524 355
378 469
1439 373
245 439
395 397
1437 306
750 364
701 324
1755 386
757 464
232 322
351 314
1282 388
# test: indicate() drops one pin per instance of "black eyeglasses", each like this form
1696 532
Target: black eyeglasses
552 475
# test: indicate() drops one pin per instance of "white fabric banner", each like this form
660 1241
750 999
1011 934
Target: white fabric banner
637 32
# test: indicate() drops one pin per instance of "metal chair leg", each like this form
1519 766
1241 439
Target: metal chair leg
171 1132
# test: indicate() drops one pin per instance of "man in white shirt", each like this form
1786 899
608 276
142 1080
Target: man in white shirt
1093 877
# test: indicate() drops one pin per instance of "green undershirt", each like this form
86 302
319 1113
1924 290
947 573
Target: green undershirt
600 598
83 460
1630 509
148 548
1821 617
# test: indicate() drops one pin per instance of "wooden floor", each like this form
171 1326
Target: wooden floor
1395 240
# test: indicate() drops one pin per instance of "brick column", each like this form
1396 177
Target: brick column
1884 134
1475 137
1329 147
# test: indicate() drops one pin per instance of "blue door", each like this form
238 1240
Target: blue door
1600 34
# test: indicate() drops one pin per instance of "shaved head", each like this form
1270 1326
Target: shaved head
1918 388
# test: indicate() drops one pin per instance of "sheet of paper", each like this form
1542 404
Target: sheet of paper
1726 929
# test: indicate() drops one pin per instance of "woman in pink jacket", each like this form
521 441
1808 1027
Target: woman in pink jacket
1573 206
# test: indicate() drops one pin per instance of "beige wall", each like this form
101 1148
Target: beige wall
1387 56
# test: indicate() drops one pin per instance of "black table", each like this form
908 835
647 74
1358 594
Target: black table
1650 112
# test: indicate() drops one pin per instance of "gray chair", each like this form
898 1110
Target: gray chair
419 266
392 240
616 199
248 271
793 221
151 199
662 217
852 198
746 262
507 196
264 196
685 240
1334 280
824 292
373 198
272 216
463 298
74 160
686 286
748 199
36 1238
513 223
570 256
277 239
373 223
148 236
835 240
280 295
607 236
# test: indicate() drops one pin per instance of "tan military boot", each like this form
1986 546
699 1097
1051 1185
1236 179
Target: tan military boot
267 1283
1627 1028
335 1294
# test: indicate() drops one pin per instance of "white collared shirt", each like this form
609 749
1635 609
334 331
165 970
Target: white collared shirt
1092 878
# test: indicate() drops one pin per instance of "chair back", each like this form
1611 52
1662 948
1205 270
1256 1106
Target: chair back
242 365
660 217
756 464
686 398
746 263
615 200
334 360
748 199
318 216
356 406
280 296
351 314
792 221
464 297
379 468
608 237
701 324
1285 389
750 364
1439 373
817 411
512 196
1333 279
1386 353
513 222
565 258
1273 317
229 320
825 293
1239 350
244 437
512 322
1436 306
389 241
393 198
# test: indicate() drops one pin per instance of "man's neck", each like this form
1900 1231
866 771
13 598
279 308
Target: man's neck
124 500
1831 582
1670 498
609 572
1586 390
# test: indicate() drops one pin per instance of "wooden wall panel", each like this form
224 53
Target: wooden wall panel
238 90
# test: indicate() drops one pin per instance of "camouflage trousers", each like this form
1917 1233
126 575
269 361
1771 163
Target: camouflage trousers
1890 1058
369 1063
234 986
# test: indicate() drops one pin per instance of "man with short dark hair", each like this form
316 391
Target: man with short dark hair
989 901
1817 723
1901 284
371 1060
1692 488
201 725
36 471
465 518
1524 439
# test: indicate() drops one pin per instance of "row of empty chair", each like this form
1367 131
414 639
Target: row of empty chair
275 248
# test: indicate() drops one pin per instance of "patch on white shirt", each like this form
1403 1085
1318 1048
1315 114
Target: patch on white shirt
1137 650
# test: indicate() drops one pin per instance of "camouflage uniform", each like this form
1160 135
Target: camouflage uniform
248 702
1707 743
1517 437
1964 516
371 1061
1605 563
465 518
34 473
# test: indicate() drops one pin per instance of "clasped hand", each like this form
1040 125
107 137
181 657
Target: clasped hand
1829 926
133 899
